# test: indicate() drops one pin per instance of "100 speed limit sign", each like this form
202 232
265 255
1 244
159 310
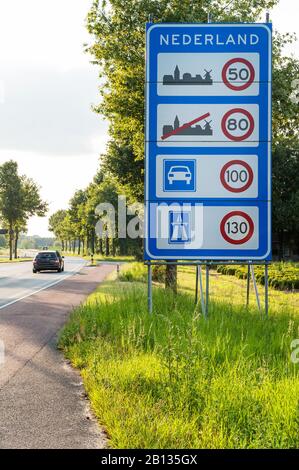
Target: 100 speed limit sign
236 176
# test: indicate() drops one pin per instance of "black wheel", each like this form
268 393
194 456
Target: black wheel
59 270
34 271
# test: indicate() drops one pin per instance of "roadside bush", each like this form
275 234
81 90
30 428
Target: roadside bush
284 276
159 273
133 272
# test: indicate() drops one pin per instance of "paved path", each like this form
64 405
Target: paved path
42 402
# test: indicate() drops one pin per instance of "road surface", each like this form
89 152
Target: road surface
42 401
17 280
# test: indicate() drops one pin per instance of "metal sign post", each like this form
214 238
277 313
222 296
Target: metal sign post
149 289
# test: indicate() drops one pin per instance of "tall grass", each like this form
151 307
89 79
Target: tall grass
175 380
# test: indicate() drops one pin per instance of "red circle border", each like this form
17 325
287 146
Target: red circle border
226 185
228 114
241 214
242 61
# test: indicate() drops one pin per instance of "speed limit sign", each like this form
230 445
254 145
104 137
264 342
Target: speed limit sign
208 142
238 74
237 227
236 176
237 124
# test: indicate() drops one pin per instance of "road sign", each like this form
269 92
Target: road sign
208 141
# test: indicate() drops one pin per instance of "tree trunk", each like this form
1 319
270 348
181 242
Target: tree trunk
10 241
16 244
171 277
87 243
101 246
107 252
281 243
93 241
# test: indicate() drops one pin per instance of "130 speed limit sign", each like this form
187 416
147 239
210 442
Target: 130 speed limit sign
237 227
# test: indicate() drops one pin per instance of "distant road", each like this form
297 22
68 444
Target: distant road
18 282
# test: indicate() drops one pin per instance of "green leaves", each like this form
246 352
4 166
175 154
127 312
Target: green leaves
19 199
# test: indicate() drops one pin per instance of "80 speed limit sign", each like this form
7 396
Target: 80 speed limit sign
237 124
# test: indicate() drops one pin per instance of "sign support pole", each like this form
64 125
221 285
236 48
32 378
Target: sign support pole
248 285
255 288
196 284
266 290
202 300
207 289
149 289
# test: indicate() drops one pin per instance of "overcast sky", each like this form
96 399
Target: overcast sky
46 122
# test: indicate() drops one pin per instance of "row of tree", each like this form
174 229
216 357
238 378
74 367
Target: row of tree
118 49
19 200
76 227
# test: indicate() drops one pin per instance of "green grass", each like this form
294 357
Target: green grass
174 380
18 260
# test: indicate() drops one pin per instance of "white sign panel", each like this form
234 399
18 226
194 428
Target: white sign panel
206 227
208 125
223 74
199 176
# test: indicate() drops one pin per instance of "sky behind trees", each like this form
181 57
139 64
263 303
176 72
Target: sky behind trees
46 123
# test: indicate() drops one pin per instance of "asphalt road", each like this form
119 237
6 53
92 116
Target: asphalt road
18 282
42 400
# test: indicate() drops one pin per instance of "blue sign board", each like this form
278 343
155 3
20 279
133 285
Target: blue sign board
208 141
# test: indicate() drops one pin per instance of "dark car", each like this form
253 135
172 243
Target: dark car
48 261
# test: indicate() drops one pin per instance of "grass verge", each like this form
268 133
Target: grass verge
18 260
174 380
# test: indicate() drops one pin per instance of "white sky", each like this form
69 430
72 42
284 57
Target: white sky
46 123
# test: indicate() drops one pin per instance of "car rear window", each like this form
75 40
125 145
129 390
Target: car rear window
46 256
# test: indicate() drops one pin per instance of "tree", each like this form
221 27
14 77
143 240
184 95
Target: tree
119 50
32 204
19 200
10 198
56 225
286 191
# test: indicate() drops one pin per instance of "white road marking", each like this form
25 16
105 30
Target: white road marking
77 269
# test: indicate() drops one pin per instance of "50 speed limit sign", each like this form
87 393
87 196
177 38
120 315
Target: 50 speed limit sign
238 74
